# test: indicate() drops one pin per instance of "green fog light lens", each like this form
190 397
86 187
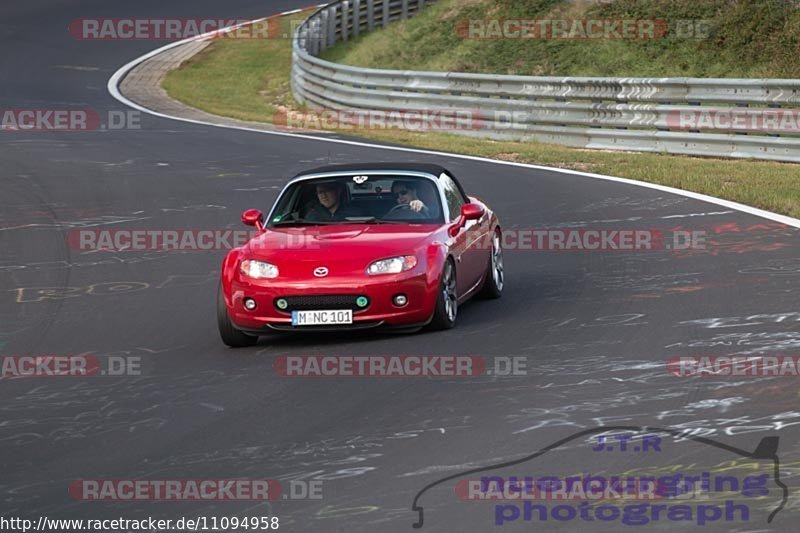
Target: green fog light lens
282 304
362 301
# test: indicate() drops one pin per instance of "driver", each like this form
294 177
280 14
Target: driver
329 205
406 194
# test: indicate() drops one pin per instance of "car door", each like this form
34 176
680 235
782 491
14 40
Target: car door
468 249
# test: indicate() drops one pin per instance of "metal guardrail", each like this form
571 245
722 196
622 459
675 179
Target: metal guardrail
746 118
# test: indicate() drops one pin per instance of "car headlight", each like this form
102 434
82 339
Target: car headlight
393 265
258 269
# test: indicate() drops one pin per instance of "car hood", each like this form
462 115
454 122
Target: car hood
348 245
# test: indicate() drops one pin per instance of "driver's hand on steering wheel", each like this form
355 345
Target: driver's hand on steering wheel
416 206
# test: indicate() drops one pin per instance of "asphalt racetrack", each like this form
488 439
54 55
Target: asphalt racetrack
595 328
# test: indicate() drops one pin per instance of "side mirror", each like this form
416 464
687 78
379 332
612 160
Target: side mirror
468 212
253 217
472 211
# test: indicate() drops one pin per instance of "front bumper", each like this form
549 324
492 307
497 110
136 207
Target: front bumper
332 294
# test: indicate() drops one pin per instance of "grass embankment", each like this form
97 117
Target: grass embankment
725 39
249 80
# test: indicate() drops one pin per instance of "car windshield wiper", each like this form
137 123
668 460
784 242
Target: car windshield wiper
303 222
372 220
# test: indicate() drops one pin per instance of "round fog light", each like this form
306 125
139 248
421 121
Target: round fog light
362 301
249 304
400 300
281 303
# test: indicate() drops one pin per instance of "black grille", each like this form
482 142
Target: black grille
320 302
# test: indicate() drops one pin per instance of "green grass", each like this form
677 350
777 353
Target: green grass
244 79
747 38
249 80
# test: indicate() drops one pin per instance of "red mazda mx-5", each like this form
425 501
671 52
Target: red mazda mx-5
357 247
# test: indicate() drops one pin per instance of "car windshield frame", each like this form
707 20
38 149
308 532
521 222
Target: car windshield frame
442 218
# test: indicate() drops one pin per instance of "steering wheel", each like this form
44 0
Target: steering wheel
414 214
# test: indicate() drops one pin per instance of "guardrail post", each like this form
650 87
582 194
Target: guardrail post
370 15
301 34
356 17
316 37
404 13
385 13
323 31
343 20
331 26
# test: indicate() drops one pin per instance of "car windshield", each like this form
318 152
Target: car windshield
359 199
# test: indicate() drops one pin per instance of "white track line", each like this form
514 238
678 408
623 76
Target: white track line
117 77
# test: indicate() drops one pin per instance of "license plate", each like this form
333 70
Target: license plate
322 318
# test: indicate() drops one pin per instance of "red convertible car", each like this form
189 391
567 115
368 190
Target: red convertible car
357 247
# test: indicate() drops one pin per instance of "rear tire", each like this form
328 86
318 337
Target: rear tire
446 311
495 275
229 334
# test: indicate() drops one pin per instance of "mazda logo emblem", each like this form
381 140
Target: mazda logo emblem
320 272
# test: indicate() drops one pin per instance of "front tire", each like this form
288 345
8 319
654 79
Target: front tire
446 311
229 334
495 275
